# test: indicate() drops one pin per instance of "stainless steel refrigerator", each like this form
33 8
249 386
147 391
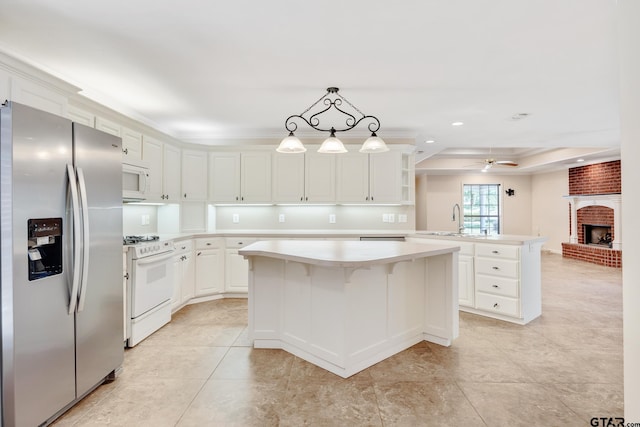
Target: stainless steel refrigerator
61 289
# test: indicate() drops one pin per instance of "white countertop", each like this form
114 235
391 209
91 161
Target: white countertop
503 239
334 253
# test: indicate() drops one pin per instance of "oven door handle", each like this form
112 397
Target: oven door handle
154 259
77 236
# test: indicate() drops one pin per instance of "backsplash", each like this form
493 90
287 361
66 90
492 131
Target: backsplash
166 219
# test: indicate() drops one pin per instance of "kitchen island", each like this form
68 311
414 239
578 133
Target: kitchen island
346 305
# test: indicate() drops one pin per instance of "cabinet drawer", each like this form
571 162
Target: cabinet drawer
497 251
497 285
209 242
498 304
497 267
183 245
238 242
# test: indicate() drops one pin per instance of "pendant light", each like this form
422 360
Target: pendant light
332 100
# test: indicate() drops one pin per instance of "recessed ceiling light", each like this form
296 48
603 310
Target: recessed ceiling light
520 116
457 124
430 141
580 160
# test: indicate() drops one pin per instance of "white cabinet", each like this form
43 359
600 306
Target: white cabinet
81 116
408 179
29 93
236 267
131 144
498 279
108 126
164 170
194 175
184 275
171 173
466 275
369 178
240 177
304 178
288 178
210 253
319 177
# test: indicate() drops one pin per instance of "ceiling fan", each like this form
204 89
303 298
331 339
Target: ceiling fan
489 163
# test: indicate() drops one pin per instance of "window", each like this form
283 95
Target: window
481 208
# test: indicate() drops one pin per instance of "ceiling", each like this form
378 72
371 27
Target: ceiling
215 72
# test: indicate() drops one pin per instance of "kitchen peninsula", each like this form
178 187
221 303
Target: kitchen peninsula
346 305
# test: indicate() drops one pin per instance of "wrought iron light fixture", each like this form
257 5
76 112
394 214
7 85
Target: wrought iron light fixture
333 101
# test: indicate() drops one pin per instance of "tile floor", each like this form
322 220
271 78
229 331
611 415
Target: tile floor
560 370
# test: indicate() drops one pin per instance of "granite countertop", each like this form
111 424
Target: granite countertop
341 253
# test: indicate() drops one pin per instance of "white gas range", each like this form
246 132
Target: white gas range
150 285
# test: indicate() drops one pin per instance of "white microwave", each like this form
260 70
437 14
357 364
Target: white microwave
135 181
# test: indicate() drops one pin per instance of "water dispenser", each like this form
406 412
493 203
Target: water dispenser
44 247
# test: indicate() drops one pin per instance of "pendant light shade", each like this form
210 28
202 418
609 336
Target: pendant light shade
291 144
374 144
332 145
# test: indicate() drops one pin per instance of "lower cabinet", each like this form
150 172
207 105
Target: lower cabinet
236 268
184 275
210 255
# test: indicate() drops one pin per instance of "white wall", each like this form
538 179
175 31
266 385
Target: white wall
549 211
629 43
132 219
443 191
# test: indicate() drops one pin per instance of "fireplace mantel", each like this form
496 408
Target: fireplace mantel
612 201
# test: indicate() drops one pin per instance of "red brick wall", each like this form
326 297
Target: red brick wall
601 178
593 254
597 215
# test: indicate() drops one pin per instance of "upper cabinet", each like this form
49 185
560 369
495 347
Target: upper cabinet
164 170
319 177
131 144
38 96
288 178
108 126
194 175
370 178
81 116
240 177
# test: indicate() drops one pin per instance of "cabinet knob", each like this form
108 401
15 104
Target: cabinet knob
185 195
237 197
242 198
495 286
306 198
372 198
208 243
496 268
496 305
301 198
367 198
495 252
198 253
125 151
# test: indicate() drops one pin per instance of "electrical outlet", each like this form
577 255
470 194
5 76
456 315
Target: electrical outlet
402 218
392 217
144 220
332 218
235 218
281 218
385 217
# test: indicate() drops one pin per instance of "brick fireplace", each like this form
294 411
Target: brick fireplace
595 202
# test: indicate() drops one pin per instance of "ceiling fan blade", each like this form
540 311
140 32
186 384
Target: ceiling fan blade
506 163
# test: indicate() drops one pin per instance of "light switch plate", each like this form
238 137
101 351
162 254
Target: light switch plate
332 218
385 217
281 218
392 217
402 218
235 218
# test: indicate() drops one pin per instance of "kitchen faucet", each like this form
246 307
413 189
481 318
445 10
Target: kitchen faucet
460 226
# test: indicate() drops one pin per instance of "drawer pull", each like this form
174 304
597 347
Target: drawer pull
495 286
496 305
495 252
208 243
496 268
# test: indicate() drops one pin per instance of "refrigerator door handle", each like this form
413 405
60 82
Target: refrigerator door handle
85 239
77 254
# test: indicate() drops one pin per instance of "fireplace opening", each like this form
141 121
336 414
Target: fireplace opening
596 234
